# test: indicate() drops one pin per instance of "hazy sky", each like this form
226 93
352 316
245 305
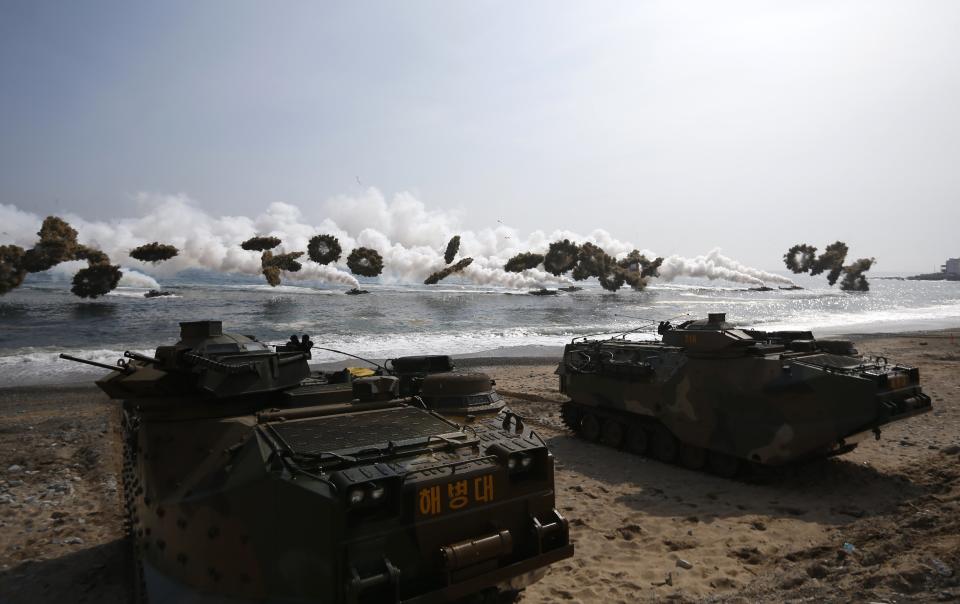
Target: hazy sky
679 126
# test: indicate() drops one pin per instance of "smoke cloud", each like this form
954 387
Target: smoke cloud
411 239
715 265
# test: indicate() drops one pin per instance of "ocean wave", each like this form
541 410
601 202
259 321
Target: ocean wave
31 366
895 319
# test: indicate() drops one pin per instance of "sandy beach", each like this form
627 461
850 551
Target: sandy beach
879 524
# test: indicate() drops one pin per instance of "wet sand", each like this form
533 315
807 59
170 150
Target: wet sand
638 524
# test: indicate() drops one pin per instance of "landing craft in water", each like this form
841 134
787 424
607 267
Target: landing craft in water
242 484
712 395
156 293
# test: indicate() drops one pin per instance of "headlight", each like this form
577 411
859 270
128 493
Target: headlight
519 462
367 495
356 496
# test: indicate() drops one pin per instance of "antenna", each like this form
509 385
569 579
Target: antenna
354 356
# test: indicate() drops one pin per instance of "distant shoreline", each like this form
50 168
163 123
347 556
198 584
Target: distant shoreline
934 277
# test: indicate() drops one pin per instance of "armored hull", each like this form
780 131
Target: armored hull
273 493
711 395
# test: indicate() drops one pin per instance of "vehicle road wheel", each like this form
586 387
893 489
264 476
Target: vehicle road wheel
664 445
692 458
637 439
570 415
590 427
722 464
612 433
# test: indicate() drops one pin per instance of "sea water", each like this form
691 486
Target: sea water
42 318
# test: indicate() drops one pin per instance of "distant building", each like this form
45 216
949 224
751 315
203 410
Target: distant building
952 267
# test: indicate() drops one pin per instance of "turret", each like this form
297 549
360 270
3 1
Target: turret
711 336
208 363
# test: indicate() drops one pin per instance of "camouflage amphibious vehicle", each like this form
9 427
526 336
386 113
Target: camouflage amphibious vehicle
242 484
709 394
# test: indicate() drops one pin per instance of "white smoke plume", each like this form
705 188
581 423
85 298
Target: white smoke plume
410 238
132 278
495 275
715 265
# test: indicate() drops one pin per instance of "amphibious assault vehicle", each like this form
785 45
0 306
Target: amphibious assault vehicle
709 394
243 484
